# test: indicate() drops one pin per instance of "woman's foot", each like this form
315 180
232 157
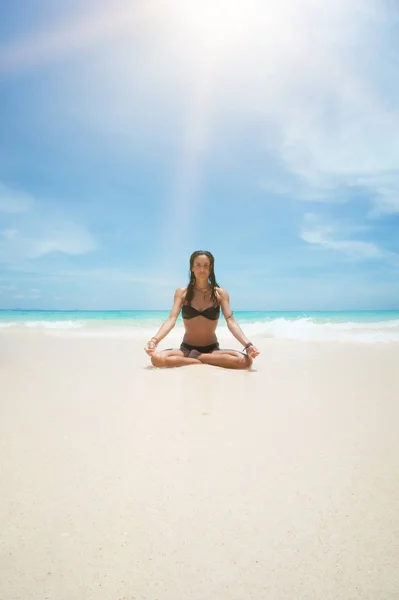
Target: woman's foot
194 354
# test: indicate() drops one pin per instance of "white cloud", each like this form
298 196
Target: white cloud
386 186
44 237
355 249
113 275
102 276
66 237
13 201
39 232
335 237
8 234
332 127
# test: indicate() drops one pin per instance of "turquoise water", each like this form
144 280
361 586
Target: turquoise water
305 325
152 316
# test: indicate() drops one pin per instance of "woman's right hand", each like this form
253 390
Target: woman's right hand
150 347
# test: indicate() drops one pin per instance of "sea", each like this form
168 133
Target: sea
343 326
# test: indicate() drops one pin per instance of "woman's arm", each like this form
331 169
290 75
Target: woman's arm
224 300
168 324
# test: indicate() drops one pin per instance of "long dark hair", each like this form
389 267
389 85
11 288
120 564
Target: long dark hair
211 280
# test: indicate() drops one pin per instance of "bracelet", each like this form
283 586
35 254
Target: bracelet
154 339
248 345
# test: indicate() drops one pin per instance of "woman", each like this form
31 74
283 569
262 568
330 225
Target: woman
200 303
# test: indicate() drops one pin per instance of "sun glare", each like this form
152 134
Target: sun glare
214 23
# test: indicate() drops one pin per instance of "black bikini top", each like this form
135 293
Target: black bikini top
189 312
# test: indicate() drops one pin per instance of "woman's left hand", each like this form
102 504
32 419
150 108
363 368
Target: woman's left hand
150 348
253 352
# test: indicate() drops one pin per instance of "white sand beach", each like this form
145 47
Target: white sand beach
121 481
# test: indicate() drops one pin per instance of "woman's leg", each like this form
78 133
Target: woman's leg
229 359
172 358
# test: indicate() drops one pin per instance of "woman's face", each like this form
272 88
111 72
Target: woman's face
201 267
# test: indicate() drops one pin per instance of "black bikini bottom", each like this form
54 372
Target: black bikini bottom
202 349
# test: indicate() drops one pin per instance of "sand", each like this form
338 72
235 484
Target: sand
123 481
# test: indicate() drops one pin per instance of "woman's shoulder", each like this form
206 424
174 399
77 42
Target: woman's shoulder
221 291
181 292
221 294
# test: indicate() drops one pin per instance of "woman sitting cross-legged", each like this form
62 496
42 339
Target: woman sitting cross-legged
200 303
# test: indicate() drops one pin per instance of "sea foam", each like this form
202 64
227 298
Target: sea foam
301 328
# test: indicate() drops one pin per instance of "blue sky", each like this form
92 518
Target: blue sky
133 133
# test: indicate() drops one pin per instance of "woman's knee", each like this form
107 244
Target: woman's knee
246 362
158 360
